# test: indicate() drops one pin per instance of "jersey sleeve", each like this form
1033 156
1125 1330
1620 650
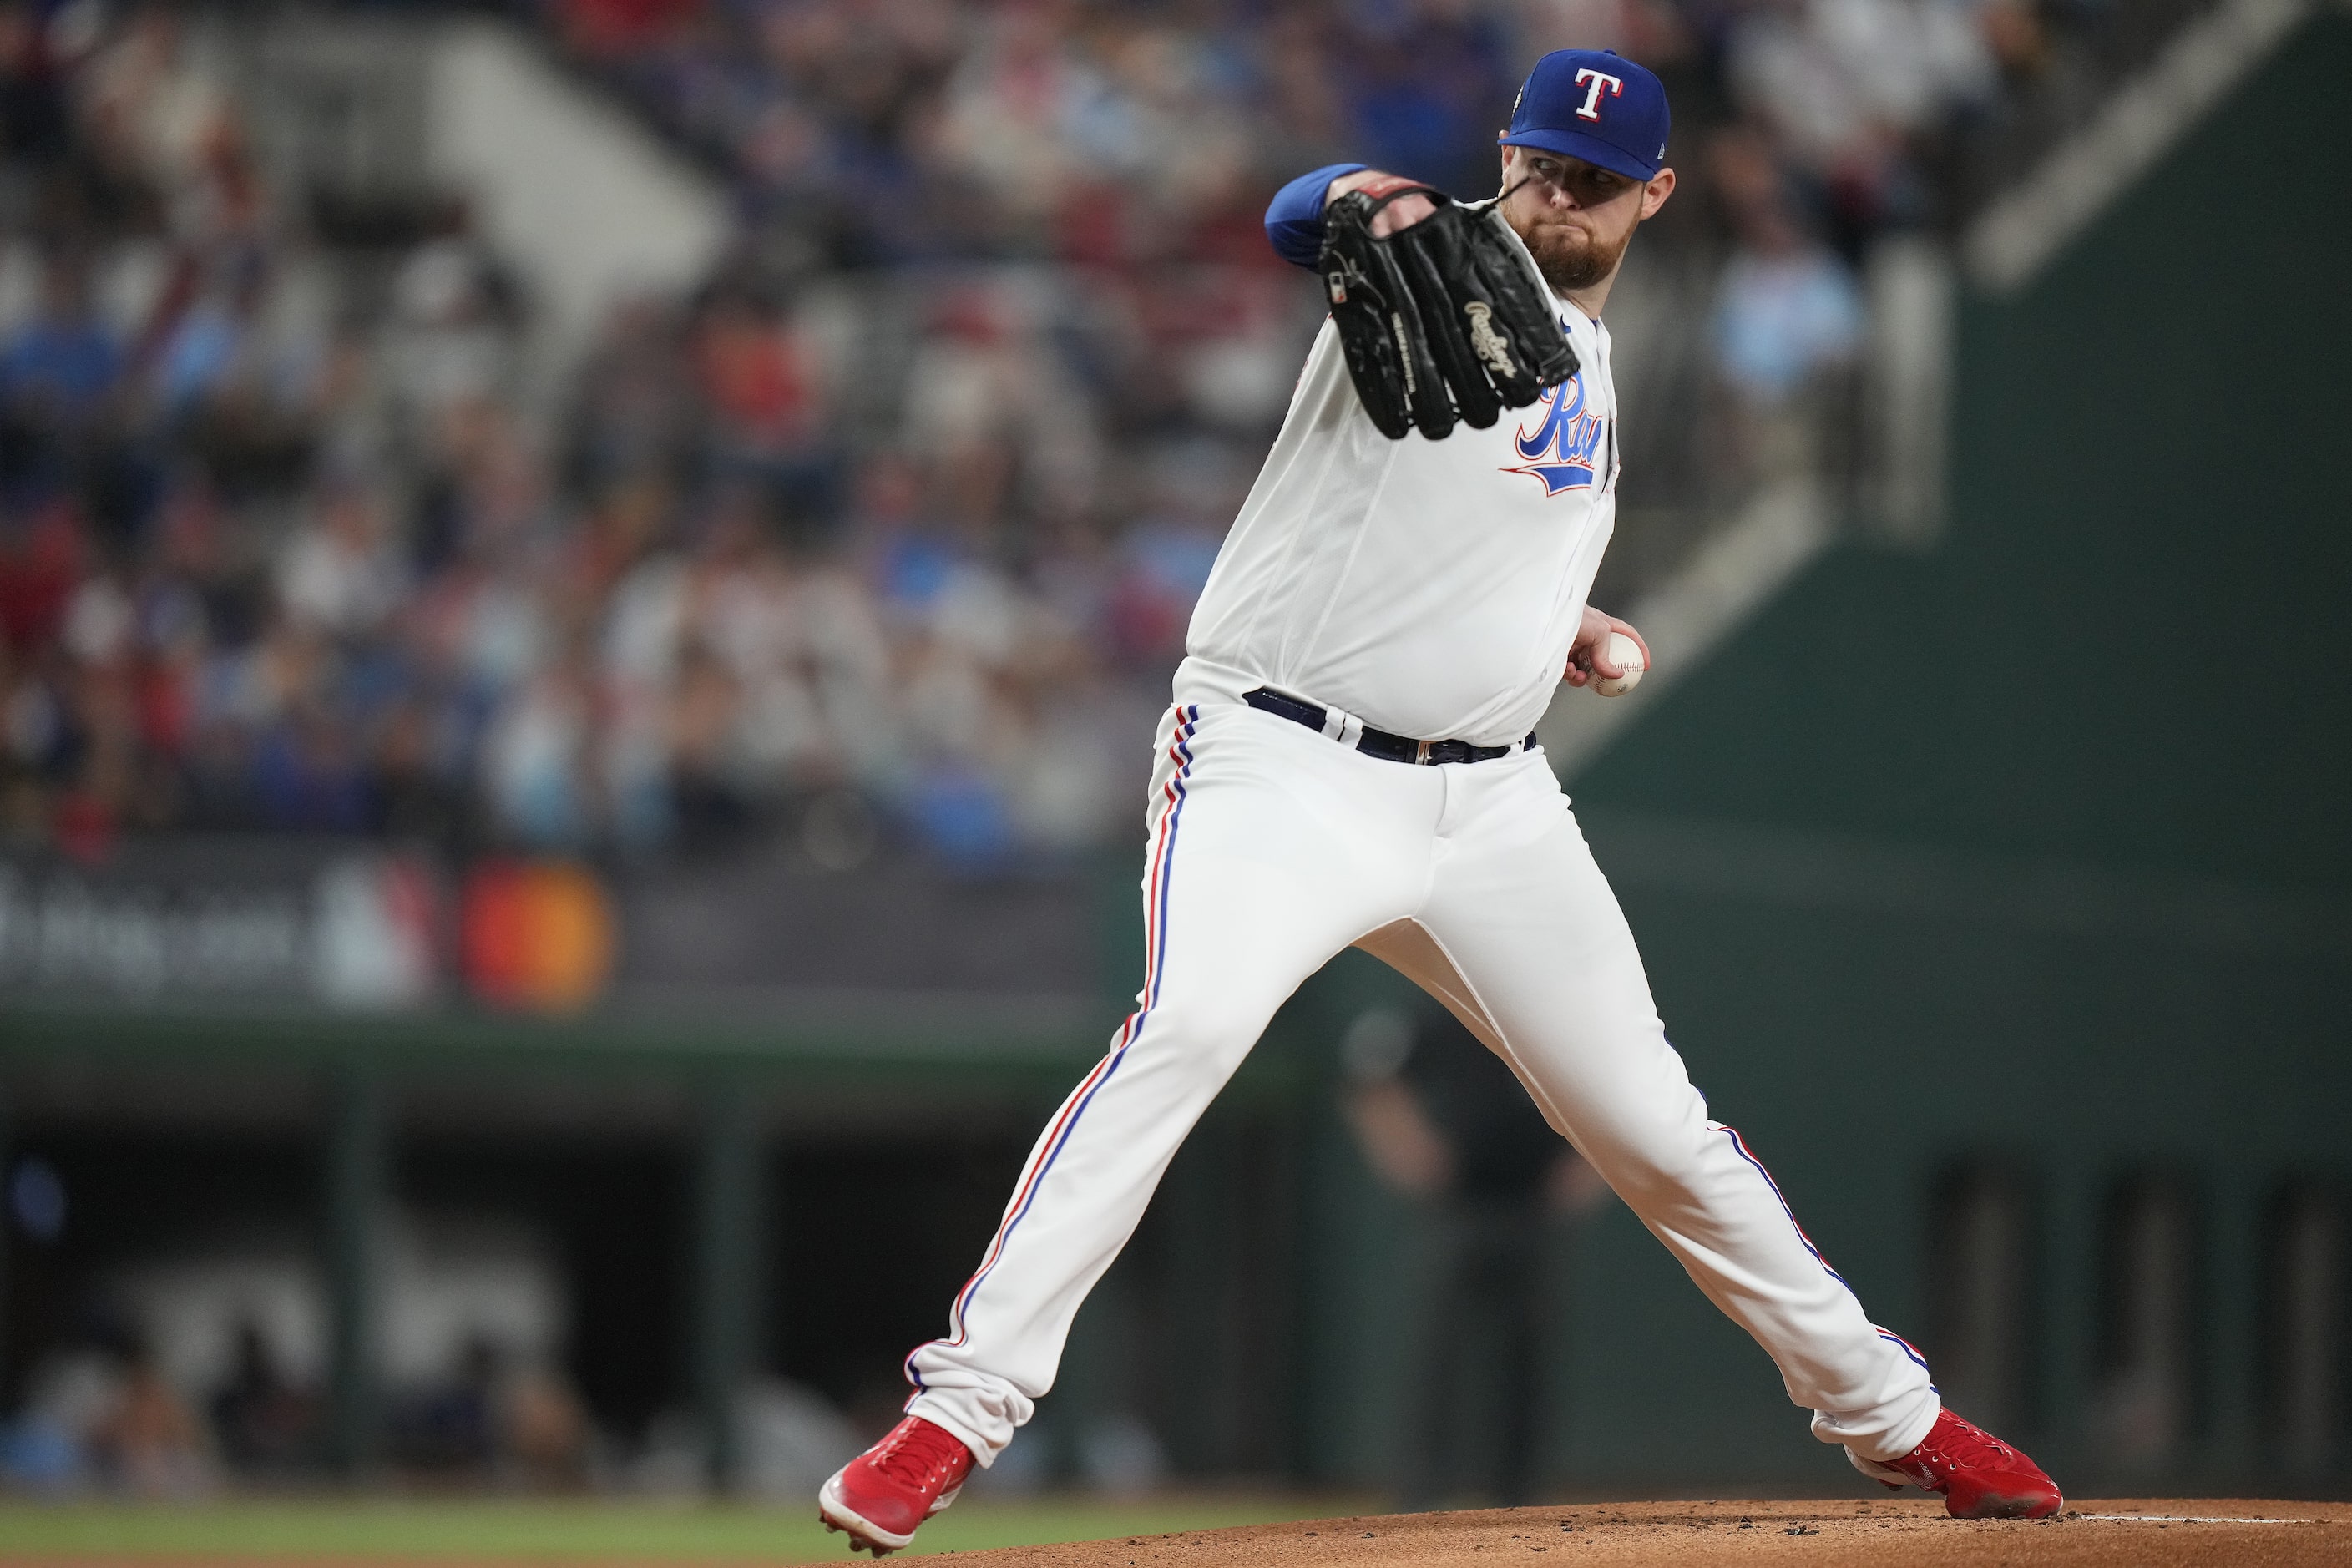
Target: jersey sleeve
1294 219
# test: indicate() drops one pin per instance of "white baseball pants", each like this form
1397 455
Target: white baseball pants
1273 848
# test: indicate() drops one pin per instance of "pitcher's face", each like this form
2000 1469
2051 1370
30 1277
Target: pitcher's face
1576 218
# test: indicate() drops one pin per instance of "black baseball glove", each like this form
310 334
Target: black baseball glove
1441 321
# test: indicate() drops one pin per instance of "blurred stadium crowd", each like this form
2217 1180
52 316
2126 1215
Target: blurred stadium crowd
114 1416
904 511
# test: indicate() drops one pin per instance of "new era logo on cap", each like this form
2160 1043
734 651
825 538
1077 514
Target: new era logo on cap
1594 105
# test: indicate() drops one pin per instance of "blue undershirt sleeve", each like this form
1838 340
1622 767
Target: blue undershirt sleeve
1294 219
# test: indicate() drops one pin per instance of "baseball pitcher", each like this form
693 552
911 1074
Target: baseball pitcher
1349 761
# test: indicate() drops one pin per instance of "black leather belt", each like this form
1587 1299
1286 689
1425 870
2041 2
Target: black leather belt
1379 742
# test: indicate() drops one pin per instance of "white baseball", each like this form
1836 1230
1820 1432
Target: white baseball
1626 655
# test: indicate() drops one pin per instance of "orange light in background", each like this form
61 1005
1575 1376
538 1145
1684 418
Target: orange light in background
536 935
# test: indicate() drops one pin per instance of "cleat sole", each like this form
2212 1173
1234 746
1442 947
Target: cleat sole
863 1536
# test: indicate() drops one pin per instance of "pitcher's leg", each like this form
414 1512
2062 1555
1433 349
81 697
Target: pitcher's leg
1262 868
1527 921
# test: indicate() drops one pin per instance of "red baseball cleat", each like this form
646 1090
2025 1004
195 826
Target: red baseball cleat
883 1494
1980 1476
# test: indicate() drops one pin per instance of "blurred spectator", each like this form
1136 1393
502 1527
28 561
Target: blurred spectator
493 1418
1787 317
534 759
264 1424
450 1427
57 370
1784 310
1442 1121
632 420
33 120
148 1441
448 342
42 553
761 384
48 1446
342 573
544 1430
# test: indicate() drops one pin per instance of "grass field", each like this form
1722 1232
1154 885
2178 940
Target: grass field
581 1531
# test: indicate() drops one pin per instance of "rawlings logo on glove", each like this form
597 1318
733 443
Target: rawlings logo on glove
1491 346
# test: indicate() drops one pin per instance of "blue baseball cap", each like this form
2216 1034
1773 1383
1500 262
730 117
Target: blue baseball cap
1595 105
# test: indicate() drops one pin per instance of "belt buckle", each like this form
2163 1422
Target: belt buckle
1420 751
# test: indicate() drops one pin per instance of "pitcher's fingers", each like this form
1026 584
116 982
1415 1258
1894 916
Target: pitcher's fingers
1400 214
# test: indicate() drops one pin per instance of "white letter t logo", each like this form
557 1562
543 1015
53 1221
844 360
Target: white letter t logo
1591 110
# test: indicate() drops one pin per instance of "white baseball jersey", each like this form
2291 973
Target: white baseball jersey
1430 588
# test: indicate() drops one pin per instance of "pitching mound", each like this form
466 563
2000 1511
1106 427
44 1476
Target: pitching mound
2137 1532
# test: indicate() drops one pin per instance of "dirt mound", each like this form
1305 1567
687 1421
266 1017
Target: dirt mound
2139 1533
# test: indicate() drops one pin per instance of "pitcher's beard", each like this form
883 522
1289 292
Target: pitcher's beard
1568 259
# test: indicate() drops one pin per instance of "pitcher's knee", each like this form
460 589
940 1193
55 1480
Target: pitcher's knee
1662 1160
